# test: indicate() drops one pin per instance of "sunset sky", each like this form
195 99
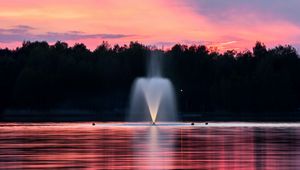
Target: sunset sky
226 24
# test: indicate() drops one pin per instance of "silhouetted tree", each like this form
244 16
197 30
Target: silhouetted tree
42 76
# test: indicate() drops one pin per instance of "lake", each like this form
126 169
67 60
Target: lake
243 146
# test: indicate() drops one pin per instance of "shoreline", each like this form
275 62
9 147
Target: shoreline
120 117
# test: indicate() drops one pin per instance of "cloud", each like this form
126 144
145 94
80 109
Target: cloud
23 33
224 11
24 27
16 29
164 22
54 36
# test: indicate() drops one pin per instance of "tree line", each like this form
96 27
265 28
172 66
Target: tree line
42 76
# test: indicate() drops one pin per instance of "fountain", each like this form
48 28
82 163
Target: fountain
152 97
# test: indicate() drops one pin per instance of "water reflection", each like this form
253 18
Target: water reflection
155 148
83 146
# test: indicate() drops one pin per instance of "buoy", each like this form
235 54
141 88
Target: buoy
153 123
192 123
94 124
206 123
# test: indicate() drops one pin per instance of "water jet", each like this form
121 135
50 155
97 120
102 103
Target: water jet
152 97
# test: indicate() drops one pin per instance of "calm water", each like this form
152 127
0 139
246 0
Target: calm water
140 146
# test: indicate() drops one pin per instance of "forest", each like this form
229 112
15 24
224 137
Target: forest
39 76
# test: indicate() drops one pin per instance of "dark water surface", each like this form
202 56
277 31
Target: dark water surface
140 146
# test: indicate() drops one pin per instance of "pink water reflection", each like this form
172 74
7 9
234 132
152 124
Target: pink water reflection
83 146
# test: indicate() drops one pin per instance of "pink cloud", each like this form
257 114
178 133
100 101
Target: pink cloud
151 22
